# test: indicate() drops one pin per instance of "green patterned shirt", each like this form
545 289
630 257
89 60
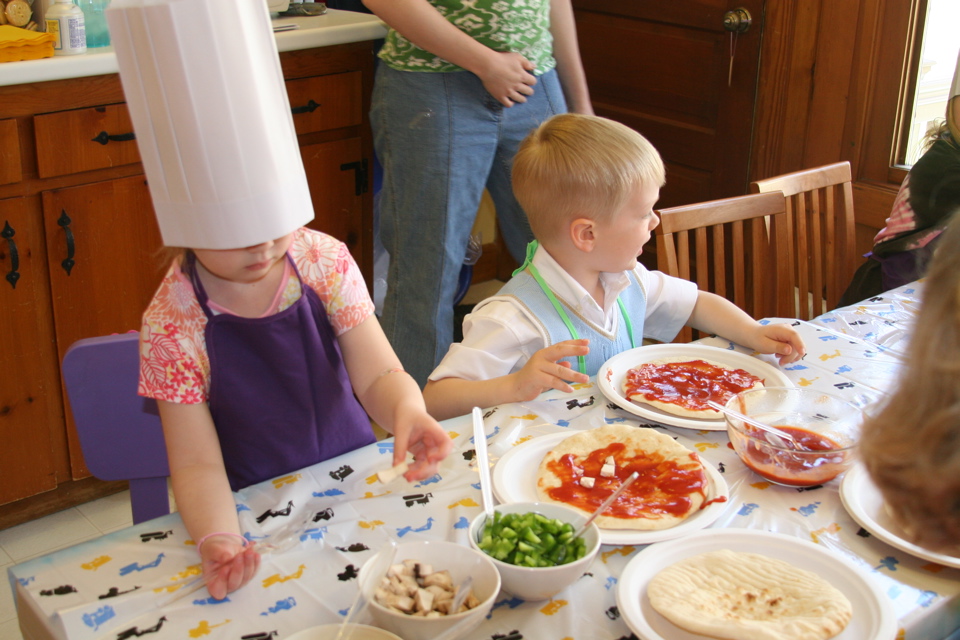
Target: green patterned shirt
520 26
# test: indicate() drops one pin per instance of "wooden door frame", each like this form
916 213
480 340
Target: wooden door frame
833 78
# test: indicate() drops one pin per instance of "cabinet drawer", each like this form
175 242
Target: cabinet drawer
84 140
326 102
9 152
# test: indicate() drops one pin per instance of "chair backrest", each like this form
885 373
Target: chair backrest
119 431
821 226
729 247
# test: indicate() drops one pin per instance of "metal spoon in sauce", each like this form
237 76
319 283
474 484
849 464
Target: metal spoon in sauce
776 437
606 503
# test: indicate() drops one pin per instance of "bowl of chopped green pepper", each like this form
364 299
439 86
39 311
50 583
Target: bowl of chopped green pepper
533 547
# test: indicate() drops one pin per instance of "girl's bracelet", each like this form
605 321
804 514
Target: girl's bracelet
221 533
387 372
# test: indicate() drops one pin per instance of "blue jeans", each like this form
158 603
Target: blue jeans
441 139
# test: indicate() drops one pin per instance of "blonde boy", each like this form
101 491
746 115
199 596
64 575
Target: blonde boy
588 186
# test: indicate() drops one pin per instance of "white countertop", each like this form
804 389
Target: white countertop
334 27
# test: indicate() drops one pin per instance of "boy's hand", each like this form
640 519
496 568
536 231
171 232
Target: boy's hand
543 372
781 339
421 435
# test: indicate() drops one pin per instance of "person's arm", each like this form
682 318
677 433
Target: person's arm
203 496
566 51
715 314
392 398
450 397
508 77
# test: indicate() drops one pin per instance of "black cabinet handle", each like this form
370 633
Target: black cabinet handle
14 274
64 221
359 176
103 137
310 107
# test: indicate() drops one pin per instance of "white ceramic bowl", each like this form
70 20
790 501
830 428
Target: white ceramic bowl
461 561
354 632
541 583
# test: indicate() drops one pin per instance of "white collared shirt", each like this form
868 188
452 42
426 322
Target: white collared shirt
499 337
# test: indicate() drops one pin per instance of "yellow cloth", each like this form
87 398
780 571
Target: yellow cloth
20 44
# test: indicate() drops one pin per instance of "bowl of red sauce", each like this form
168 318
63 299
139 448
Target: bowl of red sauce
825 431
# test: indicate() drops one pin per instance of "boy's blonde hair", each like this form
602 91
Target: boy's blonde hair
912 446
576 165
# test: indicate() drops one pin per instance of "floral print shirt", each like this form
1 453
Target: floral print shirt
174 365
519 26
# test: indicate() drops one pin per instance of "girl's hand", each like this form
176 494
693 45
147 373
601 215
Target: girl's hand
781 339
227 565
421 435
543 372
508 78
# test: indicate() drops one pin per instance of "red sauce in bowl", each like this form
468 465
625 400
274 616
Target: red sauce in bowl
821 462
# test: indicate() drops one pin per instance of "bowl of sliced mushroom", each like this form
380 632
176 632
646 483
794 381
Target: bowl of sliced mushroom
415 597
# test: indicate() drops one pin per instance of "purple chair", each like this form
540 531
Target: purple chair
120 432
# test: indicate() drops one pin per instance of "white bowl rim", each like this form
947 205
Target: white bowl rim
447 618
531 506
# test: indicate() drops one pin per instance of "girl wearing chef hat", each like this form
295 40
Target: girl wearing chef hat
260 345
929 194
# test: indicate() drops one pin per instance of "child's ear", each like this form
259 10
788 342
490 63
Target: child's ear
583 234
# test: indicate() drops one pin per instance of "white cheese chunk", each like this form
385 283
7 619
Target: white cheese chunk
388 475
587 482
608 471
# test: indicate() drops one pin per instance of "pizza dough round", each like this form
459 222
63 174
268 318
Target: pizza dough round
737 595
671 486
709 390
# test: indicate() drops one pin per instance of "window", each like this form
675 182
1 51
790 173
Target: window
934 74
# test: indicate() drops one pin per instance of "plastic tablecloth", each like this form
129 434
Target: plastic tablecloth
125 584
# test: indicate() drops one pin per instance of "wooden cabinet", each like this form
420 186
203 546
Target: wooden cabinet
80 250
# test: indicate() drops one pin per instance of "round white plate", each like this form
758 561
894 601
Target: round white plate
873 617
864 502
515 480
611 375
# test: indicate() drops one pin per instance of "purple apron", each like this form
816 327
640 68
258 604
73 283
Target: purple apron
280 395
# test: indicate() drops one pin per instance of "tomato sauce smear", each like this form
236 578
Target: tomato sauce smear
663 487
688 384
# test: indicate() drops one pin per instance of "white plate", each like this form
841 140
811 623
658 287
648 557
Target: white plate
864 502
611 374
873 617
515 480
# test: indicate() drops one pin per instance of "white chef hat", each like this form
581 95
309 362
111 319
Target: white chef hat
953 123
205 91
955 87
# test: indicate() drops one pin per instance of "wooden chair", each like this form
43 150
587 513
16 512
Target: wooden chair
119 431
823 248
729 247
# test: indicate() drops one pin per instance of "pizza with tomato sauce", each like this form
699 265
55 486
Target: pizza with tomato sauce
585 469
682 386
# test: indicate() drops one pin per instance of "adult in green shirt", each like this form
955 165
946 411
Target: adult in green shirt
459 85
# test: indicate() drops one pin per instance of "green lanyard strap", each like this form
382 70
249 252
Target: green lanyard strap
528 265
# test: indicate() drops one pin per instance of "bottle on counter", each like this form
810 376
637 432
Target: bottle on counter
65 21
95 22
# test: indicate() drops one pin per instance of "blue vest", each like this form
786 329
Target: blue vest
523 288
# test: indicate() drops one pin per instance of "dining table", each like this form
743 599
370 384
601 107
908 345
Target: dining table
331 517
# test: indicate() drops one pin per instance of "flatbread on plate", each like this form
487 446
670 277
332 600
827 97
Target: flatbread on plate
672 483
682 386
737 595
